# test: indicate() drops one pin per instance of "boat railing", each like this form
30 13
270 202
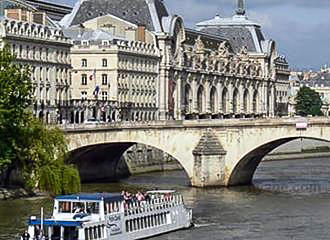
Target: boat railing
138 207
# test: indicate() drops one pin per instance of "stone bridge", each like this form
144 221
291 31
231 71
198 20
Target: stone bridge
212 152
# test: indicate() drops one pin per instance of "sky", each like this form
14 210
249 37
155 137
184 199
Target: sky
300 28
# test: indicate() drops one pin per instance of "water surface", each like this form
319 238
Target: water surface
289 200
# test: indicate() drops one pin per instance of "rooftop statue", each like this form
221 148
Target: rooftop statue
223 49
199 45
240 7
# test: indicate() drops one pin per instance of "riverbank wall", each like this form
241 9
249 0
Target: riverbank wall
14 193
300 149
143 159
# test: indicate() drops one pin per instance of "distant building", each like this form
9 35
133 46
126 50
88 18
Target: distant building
320 82
224 69
39 43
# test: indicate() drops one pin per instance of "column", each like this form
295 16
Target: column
230 103
241 99
219 93
179 100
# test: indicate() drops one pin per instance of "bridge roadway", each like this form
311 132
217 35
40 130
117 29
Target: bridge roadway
212 152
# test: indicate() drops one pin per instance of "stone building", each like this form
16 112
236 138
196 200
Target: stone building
115 73
224 69
39 43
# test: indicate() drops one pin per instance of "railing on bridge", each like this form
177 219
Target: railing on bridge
296 122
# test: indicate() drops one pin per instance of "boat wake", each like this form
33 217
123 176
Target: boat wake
200 225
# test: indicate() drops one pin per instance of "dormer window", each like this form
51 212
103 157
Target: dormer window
84 62
85 43
104 62
105 43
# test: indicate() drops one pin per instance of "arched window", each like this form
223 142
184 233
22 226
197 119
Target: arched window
187 99
213 100
246 101
200 102
255 102
235 101
224 100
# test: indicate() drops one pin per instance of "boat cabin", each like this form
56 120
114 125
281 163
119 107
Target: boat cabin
77 217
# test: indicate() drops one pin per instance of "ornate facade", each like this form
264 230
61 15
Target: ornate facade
115 72
223 69
114 81
36 41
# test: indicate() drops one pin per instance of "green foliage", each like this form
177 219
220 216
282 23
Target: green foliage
70 180
43 154
26 143
15 98
308 102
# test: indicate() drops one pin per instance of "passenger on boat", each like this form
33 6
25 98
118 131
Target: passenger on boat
140 196
146 197
41 236
25 235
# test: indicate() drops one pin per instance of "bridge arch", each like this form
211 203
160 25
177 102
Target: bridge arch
176 142
242 173
98 162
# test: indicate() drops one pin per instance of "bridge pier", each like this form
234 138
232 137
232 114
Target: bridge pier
209 162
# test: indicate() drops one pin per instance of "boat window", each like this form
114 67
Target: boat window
95 232
65 207
70 233
93 207
86 234
99 231
56 233
78 207
90 233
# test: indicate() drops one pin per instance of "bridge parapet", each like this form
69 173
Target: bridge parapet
223 123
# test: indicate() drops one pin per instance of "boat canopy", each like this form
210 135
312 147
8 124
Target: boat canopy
107 197
161 191
52 222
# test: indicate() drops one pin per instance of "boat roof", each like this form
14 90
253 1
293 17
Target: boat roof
161 191
107 197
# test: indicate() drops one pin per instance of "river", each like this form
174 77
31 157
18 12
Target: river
289 200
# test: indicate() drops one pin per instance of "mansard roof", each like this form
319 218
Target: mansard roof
141 12
239 31
238 37
23 4
54 10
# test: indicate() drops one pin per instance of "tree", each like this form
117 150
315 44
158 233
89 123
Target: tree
43 159
308 102
26 144
15 98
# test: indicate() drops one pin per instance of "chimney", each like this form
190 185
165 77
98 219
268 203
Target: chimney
13 13
141 33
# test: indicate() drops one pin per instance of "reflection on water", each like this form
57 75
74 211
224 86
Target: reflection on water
290 200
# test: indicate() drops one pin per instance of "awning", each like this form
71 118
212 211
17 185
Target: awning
50 222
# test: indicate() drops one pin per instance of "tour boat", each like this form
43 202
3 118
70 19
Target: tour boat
107 216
